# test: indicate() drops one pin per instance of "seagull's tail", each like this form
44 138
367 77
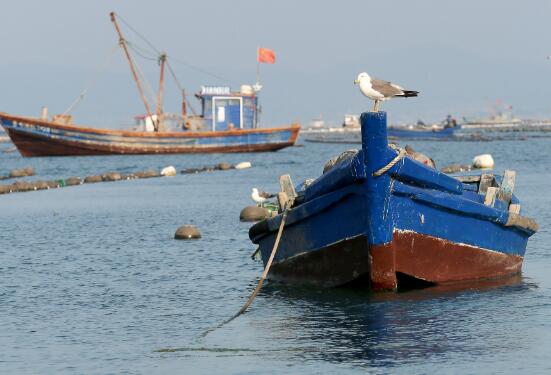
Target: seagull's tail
409 93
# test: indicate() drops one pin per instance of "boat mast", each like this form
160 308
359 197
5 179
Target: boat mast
162 60
122 42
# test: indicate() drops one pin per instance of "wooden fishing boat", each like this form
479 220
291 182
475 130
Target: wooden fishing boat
384 220
35 137
228 122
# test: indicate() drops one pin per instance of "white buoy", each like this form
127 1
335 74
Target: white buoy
168 171
484 161
243 165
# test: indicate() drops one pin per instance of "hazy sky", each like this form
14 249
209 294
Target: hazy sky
462 56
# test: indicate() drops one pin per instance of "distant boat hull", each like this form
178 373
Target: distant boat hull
34 137
402 132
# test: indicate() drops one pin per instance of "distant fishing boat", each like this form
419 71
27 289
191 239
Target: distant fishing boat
495 121
421 132
228 122
383 220
501 116
350 131
228 125
443 130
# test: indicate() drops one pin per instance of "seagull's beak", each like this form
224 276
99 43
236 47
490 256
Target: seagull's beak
356 81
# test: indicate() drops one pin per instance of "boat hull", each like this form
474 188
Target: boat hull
425 258
439 250
42 138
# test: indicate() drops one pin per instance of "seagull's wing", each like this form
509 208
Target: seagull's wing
388 89
264 194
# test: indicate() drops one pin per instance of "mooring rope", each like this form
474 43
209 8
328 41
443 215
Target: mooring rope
391 164
262 277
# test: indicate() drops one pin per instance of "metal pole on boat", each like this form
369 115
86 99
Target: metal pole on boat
184 106
257 67
159 111
122 42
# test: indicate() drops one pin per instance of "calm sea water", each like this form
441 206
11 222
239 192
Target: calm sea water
92 281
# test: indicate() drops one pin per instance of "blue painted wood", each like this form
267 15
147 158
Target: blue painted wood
349 201
379 226
409 170
342 174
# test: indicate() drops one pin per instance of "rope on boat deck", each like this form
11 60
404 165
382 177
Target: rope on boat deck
391 164
262 277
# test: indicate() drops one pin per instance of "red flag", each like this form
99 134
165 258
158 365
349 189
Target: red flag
266 56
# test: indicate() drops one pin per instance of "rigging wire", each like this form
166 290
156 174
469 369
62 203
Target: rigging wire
139 35
203 71
188 103
141 52
206 72
92 80
147 85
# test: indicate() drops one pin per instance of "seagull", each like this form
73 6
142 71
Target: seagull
257 197
379 90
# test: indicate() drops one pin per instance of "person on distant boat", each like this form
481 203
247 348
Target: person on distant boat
450 122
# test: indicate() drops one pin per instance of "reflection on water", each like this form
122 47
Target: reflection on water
353 326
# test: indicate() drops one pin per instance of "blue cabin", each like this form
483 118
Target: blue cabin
223 109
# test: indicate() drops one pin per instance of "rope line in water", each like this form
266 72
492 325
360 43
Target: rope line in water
262 277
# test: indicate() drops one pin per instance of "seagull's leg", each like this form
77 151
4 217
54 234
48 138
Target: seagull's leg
375 105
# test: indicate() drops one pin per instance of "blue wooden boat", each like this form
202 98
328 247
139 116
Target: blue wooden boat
383 220
421 132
